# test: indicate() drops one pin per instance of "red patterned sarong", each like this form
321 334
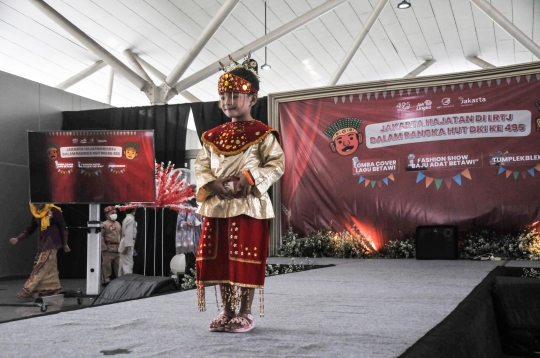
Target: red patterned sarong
233 251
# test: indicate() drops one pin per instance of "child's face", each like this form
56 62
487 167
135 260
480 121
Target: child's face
236 105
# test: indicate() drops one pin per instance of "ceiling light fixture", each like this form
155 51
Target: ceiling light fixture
266 66
404 5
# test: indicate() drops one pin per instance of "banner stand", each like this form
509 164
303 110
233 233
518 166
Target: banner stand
93 257
145 230
162 216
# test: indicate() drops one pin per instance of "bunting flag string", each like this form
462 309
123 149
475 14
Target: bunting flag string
447 181
408 91
90 172
379 183
516 174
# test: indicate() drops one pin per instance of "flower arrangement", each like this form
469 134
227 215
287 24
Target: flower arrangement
326 243
532 273
523 246
292 245
272 270
402 248
352 244
189 280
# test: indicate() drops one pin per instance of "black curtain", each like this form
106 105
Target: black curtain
169 123
73 264
155 249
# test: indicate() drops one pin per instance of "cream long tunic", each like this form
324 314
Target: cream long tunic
265 161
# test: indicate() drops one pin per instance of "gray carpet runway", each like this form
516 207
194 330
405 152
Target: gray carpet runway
358 308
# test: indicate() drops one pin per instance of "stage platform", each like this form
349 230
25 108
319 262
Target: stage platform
358 308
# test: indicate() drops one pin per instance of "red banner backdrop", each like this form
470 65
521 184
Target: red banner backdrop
91 166
465 154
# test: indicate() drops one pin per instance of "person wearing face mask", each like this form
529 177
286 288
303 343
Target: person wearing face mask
111 234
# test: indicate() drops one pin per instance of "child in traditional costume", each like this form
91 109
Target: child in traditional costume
237 164
53 234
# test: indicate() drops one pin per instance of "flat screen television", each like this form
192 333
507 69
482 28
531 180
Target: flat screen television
92 166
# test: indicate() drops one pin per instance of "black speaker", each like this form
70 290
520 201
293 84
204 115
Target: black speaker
436 242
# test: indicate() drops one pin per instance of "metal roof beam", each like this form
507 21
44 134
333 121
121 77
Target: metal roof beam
479 62
259 43
136 66
92 45
148 67
110 80
199 44
81 75
187 95
358 41
508 26
418 70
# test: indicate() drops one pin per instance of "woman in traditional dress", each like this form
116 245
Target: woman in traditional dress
237 164
188 230
53 234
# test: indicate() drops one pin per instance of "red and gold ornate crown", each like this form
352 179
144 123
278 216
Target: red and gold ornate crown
229 82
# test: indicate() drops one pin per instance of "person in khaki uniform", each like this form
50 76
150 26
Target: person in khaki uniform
111 234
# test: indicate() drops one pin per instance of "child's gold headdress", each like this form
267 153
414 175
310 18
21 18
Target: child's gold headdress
229 82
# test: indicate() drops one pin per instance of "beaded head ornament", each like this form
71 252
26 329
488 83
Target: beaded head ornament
229 82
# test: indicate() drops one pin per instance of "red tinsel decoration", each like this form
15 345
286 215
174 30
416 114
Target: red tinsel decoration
172 192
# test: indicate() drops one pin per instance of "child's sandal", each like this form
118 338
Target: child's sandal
218 324
243 322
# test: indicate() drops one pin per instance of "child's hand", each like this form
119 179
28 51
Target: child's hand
243 186
220 190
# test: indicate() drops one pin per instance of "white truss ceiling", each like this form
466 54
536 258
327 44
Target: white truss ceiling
160 31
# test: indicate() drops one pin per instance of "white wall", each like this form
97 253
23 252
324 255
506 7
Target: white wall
24 105
192 140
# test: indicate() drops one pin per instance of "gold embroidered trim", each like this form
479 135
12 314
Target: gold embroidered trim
246 261
216 244
209 283
219 151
